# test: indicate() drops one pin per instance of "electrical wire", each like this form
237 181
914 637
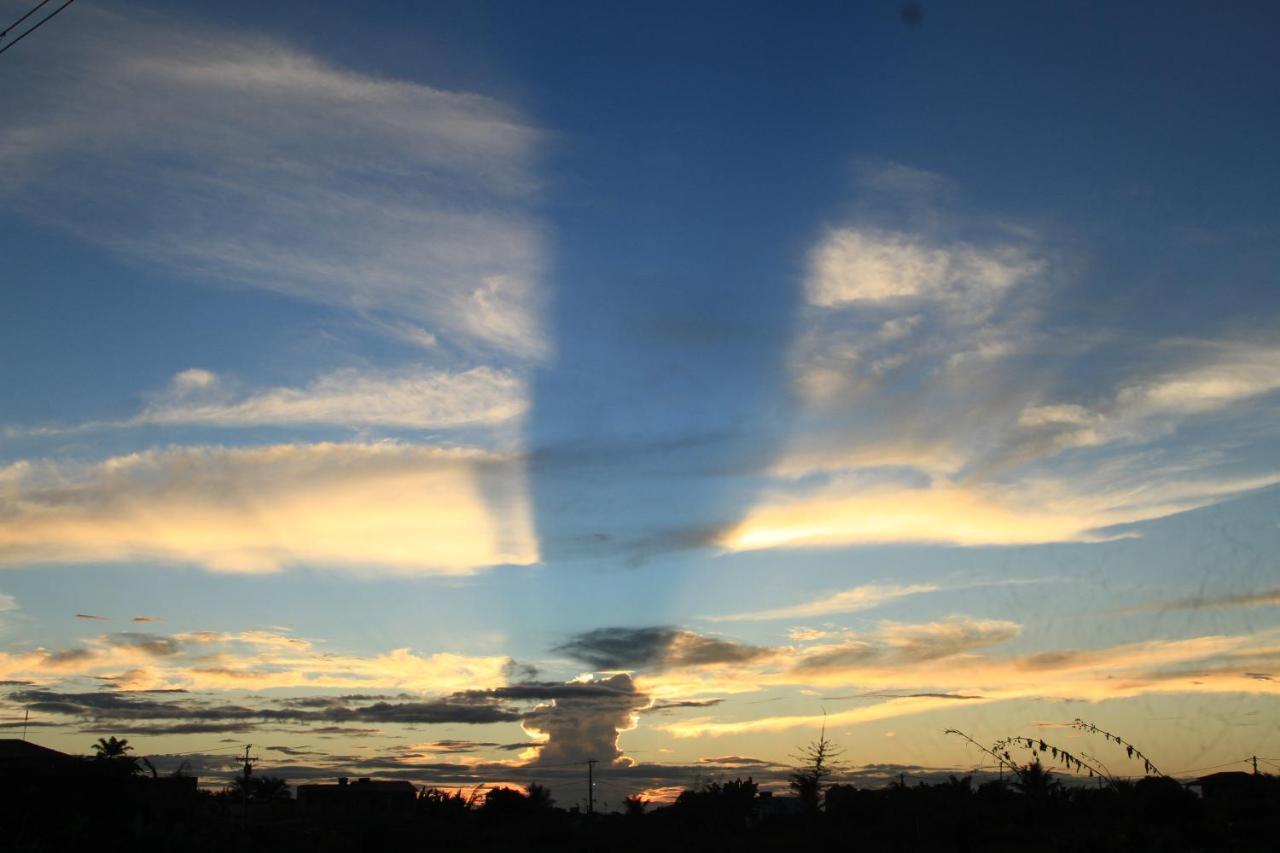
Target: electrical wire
34 26
1214 767
30 12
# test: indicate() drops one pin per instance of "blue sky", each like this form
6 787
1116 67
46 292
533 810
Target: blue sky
670 376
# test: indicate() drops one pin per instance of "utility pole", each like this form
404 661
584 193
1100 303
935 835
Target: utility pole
26 715
248 770
591 786
1255 765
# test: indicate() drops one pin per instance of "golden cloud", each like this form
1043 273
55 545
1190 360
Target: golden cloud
359 507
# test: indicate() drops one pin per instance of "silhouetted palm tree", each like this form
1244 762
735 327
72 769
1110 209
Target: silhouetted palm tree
112 747
269 788
114 753
1036 781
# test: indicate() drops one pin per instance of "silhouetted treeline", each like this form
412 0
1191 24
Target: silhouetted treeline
110 804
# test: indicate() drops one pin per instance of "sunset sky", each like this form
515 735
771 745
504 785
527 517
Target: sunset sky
461 391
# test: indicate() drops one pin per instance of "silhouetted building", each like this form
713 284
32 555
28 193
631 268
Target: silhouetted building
768 805
23 757
363 798
1227 786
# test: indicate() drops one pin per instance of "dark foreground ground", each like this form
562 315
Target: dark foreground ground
88 809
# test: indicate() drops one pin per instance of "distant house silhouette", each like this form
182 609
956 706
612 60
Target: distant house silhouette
1231 785
358 800
768 805
23 757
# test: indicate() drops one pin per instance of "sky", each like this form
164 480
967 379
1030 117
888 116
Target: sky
461 391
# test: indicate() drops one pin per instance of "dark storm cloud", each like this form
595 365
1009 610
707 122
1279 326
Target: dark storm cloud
1057 659
152 644
449 746
130 728
738 761
638 548
68 656
578 719
670 540
849 654
556 690
660 647
1261 598
334 701
114 681
294 752
515 670
668 707
114 706
584 723
891 695
507 704
440 711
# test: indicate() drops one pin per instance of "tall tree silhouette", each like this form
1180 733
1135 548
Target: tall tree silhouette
818 763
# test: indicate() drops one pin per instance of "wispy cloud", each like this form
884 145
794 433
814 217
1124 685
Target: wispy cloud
1261 598
418 398
409 398
228 156
914 643
220 155
360 507
655 648
860 598
853 600
256 660
849 511
869 266
919 668
1214 376
926 413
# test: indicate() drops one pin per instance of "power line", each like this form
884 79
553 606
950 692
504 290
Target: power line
30 12
618 786
34 26
1214 767
202 751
